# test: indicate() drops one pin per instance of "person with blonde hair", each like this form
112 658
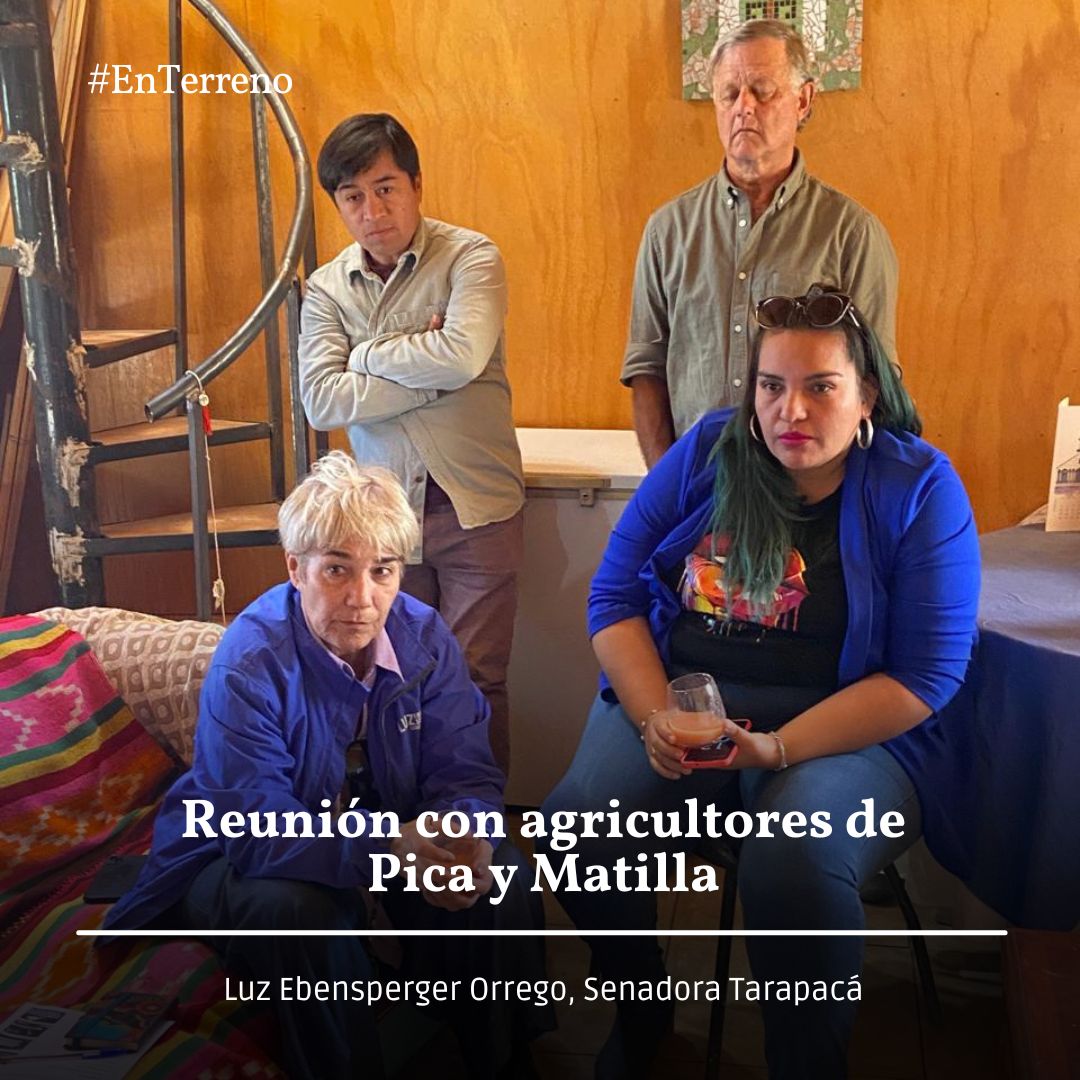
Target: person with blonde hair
335 706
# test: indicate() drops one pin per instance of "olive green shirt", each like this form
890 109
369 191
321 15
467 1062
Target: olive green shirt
703 265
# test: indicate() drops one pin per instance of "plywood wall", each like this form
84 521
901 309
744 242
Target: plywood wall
556 128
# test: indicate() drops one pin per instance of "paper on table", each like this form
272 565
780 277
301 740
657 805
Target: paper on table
1063 508
36 1030
1036 517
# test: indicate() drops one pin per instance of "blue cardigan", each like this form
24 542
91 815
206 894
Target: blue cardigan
908 547
275 717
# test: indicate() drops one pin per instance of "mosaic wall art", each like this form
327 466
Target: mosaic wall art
832 30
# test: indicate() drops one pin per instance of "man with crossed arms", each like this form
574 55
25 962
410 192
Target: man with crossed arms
402 345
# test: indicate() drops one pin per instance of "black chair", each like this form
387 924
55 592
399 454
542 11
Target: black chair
721 854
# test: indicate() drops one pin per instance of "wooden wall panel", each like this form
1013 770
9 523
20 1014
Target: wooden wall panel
164 583
556 128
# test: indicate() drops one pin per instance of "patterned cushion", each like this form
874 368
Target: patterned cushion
78 775
80 779
156 665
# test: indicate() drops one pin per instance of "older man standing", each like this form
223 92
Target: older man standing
402 345
762 226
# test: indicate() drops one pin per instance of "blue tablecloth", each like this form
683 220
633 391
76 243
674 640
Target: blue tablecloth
1004 814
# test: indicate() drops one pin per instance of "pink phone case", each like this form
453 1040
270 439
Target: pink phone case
714 763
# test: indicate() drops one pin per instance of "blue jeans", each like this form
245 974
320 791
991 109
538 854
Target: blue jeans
784 883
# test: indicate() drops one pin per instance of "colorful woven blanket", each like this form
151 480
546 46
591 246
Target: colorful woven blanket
80 780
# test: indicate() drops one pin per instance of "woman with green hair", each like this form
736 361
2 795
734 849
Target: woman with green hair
819 559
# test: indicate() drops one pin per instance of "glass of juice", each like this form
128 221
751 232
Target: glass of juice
695 709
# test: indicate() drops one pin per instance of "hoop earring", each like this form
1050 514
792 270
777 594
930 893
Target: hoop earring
755 434
864 437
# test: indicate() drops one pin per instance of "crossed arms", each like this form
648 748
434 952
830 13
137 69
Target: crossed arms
393 373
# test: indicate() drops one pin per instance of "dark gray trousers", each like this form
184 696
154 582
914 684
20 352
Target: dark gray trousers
332 1039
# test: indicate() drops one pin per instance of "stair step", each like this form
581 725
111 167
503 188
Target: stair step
238 526
167 436
107 346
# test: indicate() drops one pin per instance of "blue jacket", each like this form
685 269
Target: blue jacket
908 547
275 718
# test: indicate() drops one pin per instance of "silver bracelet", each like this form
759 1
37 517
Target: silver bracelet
783 753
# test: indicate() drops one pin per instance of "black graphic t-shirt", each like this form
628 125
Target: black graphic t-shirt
796 641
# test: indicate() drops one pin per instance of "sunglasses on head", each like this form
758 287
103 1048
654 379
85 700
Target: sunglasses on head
818 310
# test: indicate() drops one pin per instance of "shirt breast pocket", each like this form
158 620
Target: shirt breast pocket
415 321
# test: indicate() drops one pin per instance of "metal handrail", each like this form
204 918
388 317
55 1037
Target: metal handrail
299 230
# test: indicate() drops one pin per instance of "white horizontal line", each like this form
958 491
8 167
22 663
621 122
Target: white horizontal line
540 933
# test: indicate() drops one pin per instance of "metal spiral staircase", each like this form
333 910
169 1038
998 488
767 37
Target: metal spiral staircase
62 356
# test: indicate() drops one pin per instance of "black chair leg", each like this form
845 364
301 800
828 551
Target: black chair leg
720 972
918 944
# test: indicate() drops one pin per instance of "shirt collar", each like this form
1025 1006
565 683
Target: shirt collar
358 262
783 194
383 655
